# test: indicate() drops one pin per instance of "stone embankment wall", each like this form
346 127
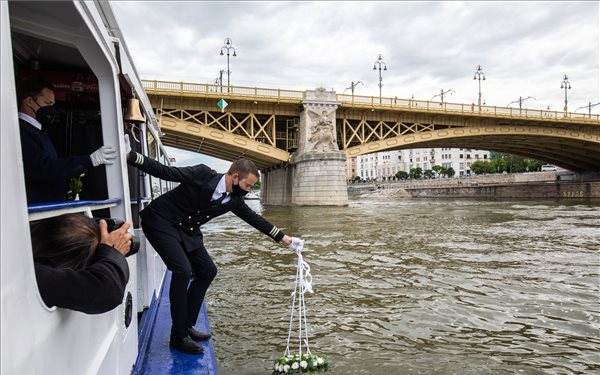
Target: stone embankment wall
521 185
526 190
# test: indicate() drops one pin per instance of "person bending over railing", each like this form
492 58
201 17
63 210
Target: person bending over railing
79 265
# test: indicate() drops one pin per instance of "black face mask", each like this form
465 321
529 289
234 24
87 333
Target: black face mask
237 191
45 115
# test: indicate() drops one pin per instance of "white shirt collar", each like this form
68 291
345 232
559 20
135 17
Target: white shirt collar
33 122
220 189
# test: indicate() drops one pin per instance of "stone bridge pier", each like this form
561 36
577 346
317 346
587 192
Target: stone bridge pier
315 175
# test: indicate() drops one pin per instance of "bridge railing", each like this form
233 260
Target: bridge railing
220 90
374 102
413 104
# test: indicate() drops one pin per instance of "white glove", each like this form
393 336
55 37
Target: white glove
103 155
127 145
297 245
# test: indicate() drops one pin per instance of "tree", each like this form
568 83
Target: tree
440 170
401 175
415 173
499 165
429 174
450 172
482 167
515 163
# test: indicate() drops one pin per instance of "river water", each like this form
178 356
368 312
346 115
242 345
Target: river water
415 287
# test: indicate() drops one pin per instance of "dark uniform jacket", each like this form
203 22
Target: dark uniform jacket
188 206
46 175
96 289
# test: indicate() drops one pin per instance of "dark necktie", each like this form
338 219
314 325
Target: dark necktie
219 200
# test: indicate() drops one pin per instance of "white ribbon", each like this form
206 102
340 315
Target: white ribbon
303 284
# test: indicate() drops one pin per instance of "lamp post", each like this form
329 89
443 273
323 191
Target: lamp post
377 65
352 86
228 47
567 86
442 93
589 107
219 79
520 101
479 75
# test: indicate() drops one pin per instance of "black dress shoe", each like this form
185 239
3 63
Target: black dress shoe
186 345
197 335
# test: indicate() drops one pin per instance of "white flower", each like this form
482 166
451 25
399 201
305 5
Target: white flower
286 368
303 364
280 368
295 366
276 367
320 360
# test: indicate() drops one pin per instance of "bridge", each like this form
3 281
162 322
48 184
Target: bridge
271 126
262 124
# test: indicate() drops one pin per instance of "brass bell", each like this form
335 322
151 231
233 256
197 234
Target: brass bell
133 111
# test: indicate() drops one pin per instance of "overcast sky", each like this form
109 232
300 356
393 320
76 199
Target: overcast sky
524 48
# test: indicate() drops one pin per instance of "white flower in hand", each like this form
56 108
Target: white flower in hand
304 364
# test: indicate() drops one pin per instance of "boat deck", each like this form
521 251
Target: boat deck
156 356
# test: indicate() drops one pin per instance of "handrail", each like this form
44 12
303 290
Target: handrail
46 210
459 108
219 90
372 102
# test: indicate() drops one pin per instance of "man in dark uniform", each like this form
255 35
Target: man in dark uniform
46 175
172 225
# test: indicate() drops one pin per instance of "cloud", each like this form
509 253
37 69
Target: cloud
524 47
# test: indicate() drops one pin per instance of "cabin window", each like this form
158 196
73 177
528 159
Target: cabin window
155 185
77 127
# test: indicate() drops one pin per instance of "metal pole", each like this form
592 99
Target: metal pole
228 47
566 85
378 63
478 76
228 71
380 84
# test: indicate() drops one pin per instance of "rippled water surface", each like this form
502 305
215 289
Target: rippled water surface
416 287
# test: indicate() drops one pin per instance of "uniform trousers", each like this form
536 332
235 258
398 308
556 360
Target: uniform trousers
186 298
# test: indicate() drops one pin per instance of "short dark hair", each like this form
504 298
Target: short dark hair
65 241
32 86
244 167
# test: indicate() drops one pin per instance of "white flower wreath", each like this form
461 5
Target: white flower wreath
302 361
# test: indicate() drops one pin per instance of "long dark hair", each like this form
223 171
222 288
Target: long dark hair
65 241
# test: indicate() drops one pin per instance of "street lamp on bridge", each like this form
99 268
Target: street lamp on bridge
589 107
520 101
377 65
566 85
219 79
352 86
442 93
479 75
228 47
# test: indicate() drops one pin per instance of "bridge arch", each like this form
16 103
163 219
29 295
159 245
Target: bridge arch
219 143
573 149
